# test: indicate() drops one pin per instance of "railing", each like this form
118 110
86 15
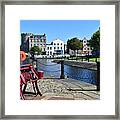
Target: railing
85 58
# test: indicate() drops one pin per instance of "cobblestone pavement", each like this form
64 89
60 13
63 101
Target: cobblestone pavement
63 89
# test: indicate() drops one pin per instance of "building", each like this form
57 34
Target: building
65 48
29 40
49 49
55 48
86 48
24 42
38 40
84 51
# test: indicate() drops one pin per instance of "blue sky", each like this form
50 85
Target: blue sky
62 29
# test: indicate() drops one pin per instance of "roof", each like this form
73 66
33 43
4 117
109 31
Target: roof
58 40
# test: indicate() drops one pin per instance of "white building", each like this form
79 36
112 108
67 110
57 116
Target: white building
86 48
55 48
49 49
37 40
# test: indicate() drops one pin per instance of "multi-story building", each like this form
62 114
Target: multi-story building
55 48
49 49
86 48
29 40
84 51
38 40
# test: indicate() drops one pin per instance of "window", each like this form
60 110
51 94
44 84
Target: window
57 43
31 36
44 40
54 43
61 43
54 47
50 48
61 48
50 52
58 48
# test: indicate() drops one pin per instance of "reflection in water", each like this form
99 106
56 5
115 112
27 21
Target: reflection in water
53 69
81 74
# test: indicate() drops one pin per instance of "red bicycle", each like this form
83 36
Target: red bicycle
28 74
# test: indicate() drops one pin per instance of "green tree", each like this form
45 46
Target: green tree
95 41
35 50
74 44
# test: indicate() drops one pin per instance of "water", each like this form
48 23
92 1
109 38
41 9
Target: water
54 70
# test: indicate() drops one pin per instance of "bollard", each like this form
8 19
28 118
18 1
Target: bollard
62 70
98 76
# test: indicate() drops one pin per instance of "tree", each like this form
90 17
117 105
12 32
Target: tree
74 44
95 41
35 50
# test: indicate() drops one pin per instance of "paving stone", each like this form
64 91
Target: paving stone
53 89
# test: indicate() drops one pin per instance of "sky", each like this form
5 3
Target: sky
60 29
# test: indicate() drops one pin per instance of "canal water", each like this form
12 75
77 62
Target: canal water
52 69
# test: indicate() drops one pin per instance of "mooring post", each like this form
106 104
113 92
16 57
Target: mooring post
98 76
62 70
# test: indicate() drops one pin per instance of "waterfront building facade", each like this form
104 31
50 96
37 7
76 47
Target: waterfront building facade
49 49
55 48
38 40
86 48
29 40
